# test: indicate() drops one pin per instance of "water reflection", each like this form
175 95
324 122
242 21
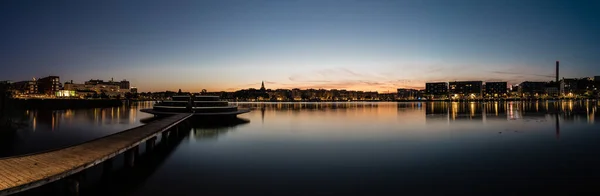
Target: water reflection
388 149
211 129
125 180
49 129
53 118
322 106
569 111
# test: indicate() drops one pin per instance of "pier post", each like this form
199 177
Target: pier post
73 186
136 151
130 156
73 183
107 167
150 143
165 137
176 131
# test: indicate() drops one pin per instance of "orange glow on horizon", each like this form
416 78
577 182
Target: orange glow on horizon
195 88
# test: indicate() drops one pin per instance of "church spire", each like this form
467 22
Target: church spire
262 86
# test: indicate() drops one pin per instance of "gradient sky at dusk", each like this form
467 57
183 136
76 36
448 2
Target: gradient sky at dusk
358 45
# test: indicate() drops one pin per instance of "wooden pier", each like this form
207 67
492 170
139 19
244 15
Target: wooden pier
21 173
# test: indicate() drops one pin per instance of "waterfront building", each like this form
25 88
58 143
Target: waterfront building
26 87
568 86
387 96
296 94
371 95
421 94
529 89
279 95
572 87
65 93
49 85
321 94
496 89
465 89
407 94
111 89
436 90
344 95
334 93
552 91
124 84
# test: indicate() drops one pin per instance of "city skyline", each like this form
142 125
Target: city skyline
262 84
369 46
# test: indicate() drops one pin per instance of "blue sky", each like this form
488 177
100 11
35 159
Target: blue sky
360 45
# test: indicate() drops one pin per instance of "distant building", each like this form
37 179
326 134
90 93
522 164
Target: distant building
514 91
94 82
280 95
529 89
436 90
262 86
133 90
552 91
124 84
26 87
421 94
98 86
65 93
407 94
296 94
465 89
496 89
49 85
568 86
386 96
597 78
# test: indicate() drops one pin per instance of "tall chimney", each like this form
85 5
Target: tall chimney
556 71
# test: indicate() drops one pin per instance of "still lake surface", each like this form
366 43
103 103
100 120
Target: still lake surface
370 148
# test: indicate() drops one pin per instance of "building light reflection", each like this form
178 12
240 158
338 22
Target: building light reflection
496 108
34 122
53 121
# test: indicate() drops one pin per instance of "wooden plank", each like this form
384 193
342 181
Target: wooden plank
9 179
25 172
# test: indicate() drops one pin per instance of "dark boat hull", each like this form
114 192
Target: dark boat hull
206 114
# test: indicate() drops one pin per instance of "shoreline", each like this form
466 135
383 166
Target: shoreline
415 101
57 104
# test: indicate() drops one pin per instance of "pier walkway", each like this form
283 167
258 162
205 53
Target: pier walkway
21 173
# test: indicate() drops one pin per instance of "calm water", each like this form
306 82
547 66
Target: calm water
41 130
388 148
370 149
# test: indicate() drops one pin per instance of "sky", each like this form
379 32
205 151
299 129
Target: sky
223 45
